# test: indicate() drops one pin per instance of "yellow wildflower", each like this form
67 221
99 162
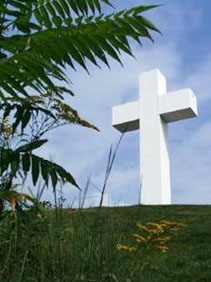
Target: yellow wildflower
156 225
124 247
121 247
161 239
143 227
162 248
132 249
140 238
155 231
173 223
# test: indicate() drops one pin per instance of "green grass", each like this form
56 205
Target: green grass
73 245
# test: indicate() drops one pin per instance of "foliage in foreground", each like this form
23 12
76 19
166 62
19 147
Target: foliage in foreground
32 30
72 245
39 39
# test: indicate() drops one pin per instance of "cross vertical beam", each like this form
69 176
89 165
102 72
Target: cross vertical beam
154 155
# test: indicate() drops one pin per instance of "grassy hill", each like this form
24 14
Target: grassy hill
73 245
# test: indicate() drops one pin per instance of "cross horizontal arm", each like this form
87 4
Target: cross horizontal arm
173 106
126 117
178 105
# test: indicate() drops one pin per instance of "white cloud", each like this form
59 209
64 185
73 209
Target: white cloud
191 163
200 80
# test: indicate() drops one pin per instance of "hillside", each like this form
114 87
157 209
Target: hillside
72 245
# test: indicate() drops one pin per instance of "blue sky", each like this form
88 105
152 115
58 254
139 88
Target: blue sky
183 54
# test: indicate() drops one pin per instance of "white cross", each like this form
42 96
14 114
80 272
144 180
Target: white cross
151 114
